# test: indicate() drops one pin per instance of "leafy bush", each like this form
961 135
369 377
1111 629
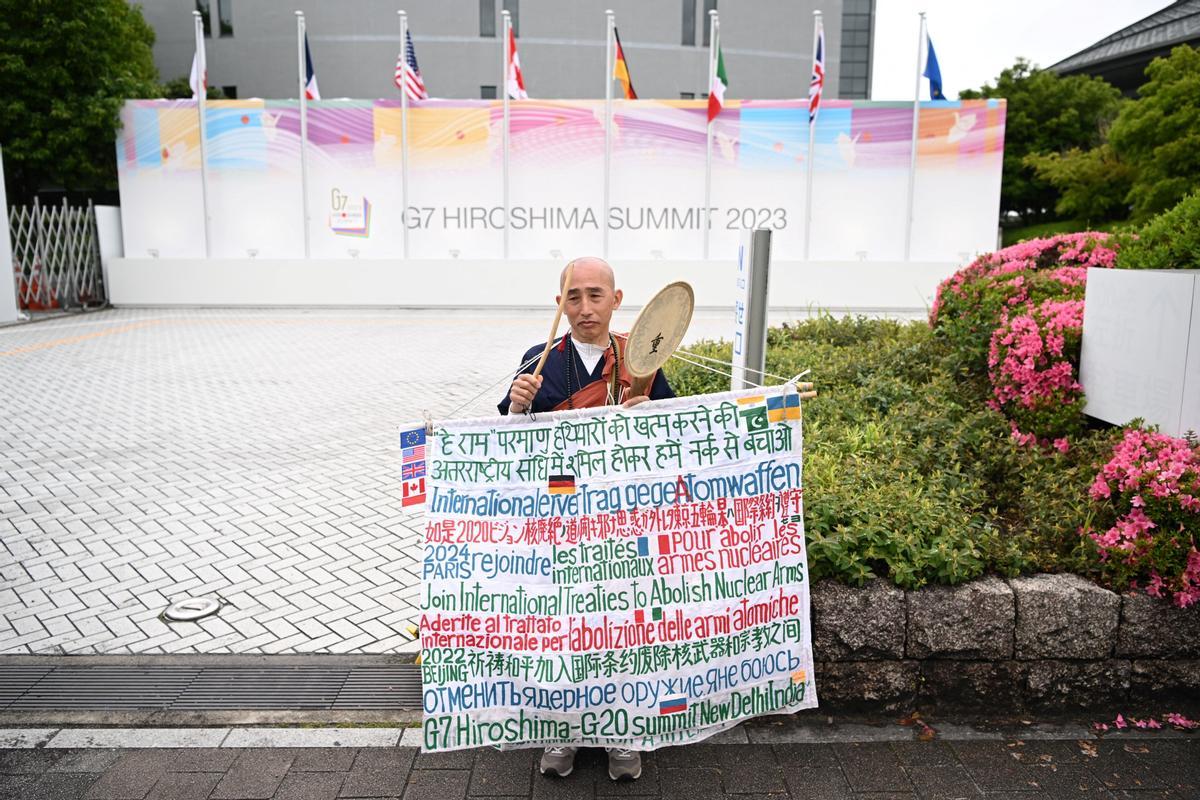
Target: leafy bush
1151 485
1169 241
1032 362
908 473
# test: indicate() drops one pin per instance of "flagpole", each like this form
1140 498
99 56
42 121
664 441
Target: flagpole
303 78
506 60
713 32
912 164
608 123
404 128
201 106
812 139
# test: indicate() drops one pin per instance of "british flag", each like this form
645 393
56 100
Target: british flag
412 471
817 84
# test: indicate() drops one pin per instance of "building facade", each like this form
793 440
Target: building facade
767 45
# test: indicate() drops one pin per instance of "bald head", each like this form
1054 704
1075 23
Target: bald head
591 298
589 271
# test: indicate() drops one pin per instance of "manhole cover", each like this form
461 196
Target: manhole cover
192 608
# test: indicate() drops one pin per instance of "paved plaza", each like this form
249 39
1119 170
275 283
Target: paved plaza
249 455
243 764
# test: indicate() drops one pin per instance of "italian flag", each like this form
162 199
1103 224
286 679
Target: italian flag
716 95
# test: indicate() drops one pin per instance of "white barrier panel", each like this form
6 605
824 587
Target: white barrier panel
861 156
895 286
8 283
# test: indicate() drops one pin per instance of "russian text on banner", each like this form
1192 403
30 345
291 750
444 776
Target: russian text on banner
615 577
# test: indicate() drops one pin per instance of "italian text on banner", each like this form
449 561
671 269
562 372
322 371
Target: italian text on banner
615 577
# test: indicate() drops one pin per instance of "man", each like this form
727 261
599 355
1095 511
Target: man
584 369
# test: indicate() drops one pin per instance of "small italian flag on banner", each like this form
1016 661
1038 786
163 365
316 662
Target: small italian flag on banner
716 95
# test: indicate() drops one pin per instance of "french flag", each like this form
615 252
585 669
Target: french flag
310 76
663 549
674 704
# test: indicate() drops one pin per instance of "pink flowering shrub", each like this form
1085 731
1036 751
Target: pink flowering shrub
1033 359
1152 486
1016 315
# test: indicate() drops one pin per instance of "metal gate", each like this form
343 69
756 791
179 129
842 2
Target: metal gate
56 257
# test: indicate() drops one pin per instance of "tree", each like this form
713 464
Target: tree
1091 184
66 67
1159 134
1046 114
181 89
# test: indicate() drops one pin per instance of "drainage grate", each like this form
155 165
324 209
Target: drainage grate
16 681
382 687
210 688
263 688
104 687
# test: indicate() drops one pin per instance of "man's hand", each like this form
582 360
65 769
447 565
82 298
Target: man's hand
520 396
633 401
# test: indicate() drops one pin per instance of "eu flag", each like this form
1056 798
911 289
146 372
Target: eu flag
933 73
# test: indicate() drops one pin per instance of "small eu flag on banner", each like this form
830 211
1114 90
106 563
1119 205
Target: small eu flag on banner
412 438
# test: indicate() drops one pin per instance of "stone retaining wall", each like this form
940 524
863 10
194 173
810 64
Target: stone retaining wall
1039 642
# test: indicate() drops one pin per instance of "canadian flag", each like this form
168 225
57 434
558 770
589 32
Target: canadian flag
412 493
516 83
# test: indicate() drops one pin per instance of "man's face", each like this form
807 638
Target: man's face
591 300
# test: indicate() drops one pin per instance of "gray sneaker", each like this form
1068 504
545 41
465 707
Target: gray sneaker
558 761
624 764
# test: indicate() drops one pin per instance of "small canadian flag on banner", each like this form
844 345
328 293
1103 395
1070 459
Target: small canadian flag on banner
413 492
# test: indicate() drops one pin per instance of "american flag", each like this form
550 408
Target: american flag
408 74
410 454
818 76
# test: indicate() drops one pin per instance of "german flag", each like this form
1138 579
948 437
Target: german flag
621 69
562 484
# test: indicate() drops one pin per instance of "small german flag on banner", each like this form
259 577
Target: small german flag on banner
562 484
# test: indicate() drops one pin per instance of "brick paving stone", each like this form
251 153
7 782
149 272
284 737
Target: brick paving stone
132 777
59 786
502 773
437 784
943 782
924 754
378 772
452 759
310 786
994 768
184 786
1069 781
817 783
96 761
254 774
872 767
697 783
28 761
751 769
323 759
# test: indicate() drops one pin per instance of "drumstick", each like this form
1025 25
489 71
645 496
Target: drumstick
562 302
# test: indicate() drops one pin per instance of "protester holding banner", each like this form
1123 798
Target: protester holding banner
583 370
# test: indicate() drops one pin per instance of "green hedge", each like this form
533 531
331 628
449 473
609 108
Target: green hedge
908 474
